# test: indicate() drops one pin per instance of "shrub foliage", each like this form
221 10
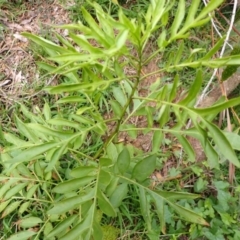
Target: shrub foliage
66 167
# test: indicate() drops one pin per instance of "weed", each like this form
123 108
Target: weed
84 165
131 9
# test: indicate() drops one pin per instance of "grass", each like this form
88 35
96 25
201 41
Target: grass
131 8
129 223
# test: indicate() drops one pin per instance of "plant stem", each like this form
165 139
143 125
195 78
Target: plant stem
130 98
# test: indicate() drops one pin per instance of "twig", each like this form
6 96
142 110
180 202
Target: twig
234 28
204 93
215 26
231 170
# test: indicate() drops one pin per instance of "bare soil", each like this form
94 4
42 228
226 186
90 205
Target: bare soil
18 70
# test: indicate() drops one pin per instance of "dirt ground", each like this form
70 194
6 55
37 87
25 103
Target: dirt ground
17 65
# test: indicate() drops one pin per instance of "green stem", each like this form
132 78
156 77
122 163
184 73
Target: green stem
41 230
33 199
135 86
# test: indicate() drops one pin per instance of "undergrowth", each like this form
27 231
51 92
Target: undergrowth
108 155
131 9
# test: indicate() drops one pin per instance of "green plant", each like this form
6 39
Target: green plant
130 9
66 171
75 9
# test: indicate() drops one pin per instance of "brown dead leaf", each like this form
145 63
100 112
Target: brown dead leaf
15 26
